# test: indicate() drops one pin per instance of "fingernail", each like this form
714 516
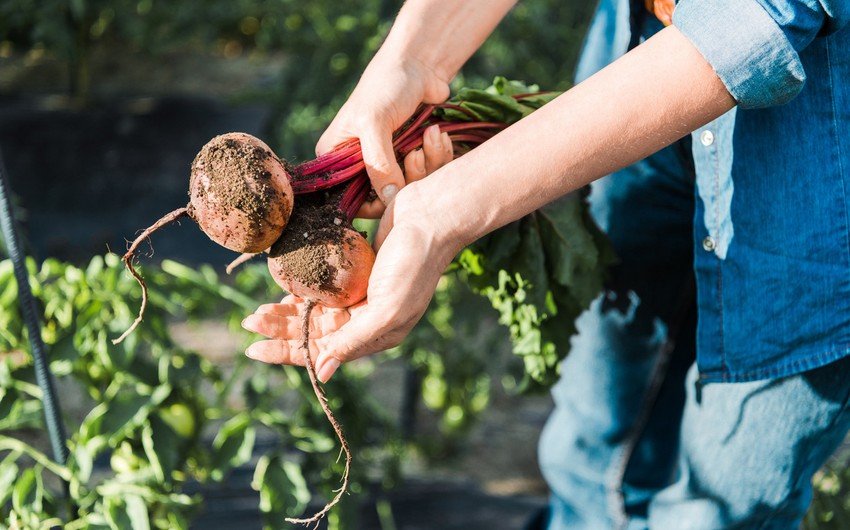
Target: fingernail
251 351
389 192
328 368
419 160
434 136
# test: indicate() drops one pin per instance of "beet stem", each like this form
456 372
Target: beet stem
128 263
242 258
323 401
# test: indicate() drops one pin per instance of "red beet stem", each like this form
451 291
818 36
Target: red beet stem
345 161
354 196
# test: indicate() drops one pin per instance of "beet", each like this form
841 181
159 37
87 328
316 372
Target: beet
320 257
240 193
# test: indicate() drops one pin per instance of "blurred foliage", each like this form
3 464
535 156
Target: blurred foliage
830 508
327 43
543 270
151 403
153 406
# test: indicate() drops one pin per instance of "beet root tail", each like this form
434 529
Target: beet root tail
242 258
323 401
128 263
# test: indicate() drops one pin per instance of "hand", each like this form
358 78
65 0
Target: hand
663 9
387 94
345 334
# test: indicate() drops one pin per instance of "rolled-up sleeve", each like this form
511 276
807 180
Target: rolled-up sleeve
753 45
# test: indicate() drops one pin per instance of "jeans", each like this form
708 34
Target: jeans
635 441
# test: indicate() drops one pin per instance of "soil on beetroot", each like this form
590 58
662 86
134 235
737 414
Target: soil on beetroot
238 179
314 232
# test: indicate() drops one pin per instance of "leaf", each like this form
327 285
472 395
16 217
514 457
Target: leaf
502 85
123 414
569 250
137 512
233 445
162 447
127 512
84 454
283 490
8 474
490 107
540 273
24 490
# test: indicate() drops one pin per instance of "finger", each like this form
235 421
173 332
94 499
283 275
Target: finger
414 166
384 227
329 365
664 11
357 338
291 299
294 306
281 352
359 307
327 142
448 150
371 210
379 158
432 145
289 327
364 334
282 309
332 137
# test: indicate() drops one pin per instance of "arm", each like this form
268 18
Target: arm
649 98
429 42
442 35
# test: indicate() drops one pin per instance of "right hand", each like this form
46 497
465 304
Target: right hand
387 94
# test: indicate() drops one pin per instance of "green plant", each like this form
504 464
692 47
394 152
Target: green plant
150 403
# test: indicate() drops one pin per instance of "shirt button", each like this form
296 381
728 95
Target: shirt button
707 138
708 244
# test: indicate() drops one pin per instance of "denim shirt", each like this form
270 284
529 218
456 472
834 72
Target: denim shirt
772 222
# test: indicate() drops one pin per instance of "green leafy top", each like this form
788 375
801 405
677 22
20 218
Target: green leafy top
505 101
542 271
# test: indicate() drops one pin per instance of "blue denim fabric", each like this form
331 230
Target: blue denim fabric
639 437
772 237
616 352
772 231
754 45
715 456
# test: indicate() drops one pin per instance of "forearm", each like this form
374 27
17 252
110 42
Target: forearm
654 95
443 34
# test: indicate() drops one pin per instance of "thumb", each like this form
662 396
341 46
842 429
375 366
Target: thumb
381 165
330 139
353 340
384 227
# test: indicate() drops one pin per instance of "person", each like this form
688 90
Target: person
724 130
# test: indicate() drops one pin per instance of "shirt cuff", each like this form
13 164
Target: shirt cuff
746 47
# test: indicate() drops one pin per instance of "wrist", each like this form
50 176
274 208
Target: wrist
432 87
416 205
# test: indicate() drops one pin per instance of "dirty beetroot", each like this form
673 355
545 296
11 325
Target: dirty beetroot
243 197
